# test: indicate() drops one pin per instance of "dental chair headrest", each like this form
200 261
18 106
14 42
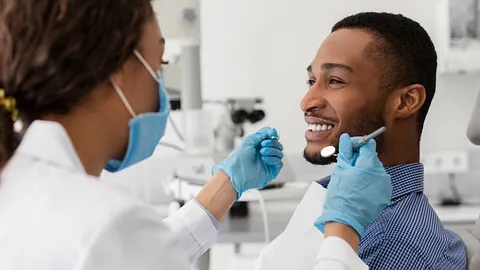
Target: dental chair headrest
473 131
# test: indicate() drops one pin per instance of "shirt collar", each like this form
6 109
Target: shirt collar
406 179
48 141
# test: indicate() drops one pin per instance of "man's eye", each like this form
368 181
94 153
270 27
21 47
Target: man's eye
334 81
310 82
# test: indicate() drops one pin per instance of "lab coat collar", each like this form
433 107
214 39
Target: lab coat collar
406 179
48 141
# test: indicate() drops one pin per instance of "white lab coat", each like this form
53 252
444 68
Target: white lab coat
53 216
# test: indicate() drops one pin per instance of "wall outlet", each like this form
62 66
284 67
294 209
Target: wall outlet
446 162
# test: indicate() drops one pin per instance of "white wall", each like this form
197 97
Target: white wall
446 124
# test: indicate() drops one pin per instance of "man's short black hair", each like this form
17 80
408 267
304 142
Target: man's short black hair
405 51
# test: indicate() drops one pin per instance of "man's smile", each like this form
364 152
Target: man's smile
318 129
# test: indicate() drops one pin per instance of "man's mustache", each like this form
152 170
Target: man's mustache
320 116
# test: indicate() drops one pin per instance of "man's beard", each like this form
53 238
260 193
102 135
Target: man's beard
362 125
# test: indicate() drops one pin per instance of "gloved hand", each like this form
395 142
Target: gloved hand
359 188
255 162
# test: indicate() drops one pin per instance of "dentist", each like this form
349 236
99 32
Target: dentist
87 78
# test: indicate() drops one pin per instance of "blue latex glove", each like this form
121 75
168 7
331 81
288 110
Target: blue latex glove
359 188
255 162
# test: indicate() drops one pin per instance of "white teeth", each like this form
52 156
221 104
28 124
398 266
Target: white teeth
315 127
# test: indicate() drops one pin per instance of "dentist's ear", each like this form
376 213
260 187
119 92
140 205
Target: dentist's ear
118 77
128 69
407 101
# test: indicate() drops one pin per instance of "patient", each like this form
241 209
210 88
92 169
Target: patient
379 69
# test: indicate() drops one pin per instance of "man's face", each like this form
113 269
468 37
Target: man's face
344 93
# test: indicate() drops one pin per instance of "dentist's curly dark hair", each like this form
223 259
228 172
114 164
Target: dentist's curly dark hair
53 53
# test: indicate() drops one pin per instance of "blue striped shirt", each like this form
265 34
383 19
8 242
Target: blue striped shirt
408 234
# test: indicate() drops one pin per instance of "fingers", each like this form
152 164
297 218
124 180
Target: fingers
273 144
362 157
271 152
272 148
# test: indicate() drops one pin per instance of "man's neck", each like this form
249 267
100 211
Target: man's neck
399 151
391 160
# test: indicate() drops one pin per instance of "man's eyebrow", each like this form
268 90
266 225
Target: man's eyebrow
162 41
328 66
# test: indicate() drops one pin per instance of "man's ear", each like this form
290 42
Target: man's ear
409 100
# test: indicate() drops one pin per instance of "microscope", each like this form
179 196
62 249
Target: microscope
230 127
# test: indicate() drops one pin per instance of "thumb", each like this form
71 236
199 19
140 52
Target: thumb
368 158
273 133
345 146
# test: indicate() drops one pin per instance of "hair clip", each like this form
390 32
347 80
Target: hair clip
9 104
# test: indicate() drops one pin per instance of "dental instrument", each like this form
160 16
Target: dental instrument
329 151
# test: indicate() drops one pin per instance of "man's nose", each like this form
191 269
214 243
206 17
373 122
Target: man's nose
313 99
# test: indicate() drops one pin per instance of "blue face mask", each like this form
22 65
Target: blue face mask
146 129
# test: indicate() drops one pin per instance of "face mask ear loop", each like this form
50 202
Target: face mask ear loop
147 66
123 98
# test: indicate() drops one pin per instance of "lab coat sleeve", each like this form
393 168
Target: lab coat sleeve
137 238
287 252
336 254
193 228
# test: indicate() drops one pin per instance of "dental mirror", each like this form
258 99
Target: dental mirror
329 151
